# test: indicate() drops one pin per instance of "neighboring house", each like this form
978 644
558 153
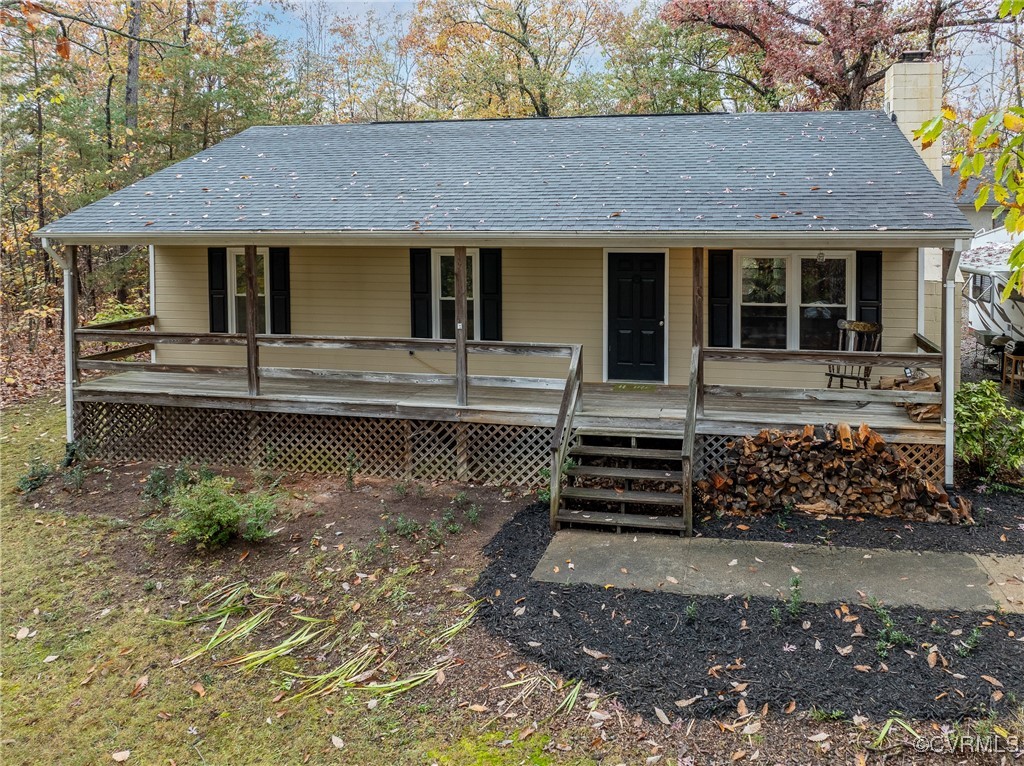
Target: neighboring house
468 299
979 218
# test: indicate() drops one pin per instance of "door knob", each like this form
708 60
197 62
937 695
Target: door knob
661 323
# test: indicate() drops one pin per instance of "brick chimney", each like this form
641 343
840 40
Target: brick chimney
913 95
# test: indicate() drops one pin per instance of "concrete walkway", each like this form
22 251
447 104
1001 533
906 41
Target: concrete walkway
700 566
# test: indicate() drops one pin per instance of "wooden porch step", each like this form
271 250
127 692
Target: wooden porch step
625 473
671 523
626 496
639 433
596 450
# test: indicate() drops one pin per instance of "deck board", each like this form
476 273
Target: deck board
661 408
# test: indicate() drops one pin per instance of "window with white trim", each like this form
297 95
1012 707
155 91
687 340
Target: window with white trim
791 301
236 289
443 283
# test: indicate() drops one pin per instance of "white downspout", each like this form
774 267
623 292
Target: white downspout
948 357
69 372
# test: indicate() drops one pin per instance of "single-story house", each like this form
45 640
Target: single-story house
477 299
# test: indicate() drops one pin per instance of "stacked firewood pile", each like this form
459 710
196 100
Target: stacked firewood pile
831 471
918 412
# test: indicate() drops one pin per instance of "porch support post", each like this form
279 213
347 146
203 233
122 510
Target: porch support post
461 327
70 343
252 351
950 263
698 323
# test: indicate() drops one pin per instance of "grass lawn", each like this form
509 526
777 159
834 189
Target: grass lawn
91 576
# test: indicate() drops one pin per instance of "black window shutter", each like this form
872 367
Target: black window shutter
719 298
419 281
490 294
218 271
869 286
280 292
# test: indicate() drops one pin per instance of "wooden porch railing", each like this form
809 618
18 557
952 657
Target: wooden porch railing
562 432
871 359
130 332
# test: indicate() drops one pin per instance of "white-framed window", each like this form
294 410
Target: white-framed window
443 286
236 289
791 300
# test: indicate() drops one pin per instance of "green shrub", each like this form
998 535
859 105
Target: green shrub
35 476
989 432
210 512
259 509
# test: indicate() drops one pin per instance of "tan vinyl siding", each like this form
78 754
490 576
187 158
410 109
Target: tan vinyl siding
549 295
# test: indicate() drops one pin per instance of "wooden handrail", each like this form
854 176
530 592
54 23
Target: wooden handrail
117 353
689 436
871 359
415 344
571 395
122 324
927 344
186 338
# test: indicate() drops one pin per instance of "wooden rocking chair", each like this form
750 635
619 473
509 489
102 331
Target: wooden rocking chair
855 336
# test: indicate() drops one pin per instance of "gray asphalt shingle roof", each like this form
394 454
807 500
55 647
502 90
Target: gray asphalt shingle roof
965 198
761 172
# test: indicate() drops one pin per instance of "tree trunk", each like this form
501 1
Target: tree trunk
131 87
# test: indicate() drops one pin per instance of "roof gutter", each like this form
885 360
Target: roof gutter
685 238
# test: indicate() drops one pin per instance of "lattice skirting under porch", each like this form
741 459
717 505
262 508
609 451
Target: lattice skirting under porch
403 449
711 451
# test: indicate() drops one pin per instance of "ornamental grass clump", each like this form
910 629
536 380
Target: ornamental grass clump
210 513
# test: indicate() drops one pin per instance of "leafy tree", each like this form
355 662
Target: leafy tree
829 52
653 67
992 152
506 57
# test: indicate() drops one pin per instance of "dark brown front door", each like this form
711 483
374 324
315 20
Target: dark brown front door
636 316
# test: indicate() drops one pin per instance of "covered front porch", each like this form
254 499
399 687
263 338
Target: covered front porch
498 411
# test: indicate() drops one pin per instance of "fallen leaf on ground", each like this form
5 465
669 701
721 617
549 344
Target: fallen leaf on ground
199 689
595 653
741 708
661 716
22 634
819 737
121 756
337 741
478 708
790 707
140 685
845 651
687 703
993 681
672 580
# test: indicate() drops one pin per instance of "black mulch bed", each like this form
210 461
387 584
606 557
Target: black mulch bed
998 515
658 655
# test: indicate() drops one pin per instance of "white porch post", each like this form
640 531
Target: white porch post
461 327
950 263
70 324
70 344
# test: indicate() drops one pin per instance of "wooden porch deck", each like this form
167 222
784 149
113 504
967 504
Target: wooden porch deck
646 408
